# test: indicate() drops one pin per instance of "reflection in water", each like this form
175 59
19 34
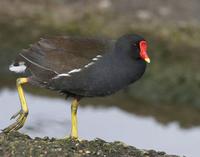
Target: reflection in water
51 117
187 116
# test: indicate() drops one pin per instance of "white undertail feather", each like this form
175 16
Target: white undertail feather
20 68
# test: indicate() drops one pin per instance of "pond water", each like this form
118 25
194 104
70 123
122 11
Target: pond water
50 116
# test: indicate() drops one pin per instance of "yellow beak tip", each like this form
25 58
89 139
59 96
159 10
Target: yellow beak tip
147 60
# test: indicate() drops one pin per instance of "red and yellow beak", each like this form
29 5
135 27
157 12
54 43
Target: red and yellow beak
143 51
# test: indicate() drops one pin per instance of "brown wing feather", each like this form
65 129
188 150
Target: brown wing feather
55 55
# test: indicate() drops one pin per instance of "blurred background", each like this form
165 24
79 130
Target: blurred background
161 111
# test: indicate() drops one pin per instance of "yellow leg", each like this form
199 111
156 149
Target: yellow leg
74 128
23 113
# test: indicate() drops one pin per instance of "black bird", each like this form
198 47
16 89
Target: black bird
79 67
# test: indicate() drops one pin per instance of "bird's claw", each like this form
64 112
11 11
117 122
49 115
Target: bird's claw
19 122
73 138
15 115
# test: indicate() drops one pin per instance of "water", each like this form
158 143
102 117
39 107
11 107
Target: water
51 117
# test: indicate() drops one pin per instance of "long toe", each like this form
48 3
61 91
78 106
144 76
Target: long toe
19 122
15 115
73 138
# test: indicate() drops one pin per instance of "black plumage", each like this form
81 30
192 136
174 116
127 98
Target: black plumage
84 67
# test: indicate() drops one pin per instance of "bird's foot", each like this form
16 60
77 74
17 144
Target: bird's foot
73 138
22 116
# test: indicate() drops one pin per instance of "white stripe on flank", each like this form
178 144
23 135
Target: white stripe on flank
67 74
77 70
60 75
89 64
99 56
74 71
95 59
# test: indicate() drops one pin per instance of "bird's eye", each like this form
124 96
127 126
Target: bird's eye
135 44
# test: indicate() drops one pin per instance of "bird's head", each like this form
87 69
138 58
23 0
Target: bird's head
134 45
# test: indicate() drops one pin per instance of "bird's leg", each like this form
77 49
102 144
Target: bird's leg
74 128
23 113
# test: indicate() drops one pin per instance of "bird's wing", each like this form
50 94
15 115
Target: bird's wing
52 56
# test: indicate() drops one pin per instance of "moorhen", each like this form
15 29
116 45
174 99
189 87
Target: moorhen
79 67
